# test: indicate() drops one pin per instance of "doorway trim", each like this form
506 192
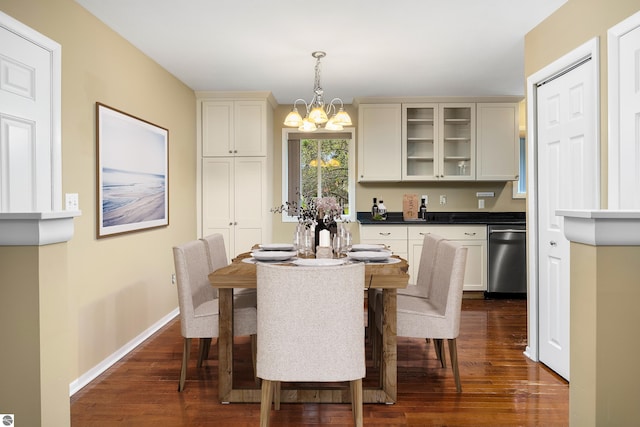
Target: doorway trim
590 49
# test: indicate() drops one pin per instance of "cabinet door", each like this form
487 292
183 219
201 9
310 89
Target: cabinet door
379 142
475 274
419 142
250 128
250 202
457 153
497 141
217 128
217 199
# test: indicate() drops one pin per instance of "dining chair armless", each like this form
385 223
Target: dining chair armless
198 302
310 329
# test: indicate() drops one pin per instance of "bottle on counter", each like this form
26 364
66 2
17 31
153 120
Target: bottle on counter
382 210
374 209
423 210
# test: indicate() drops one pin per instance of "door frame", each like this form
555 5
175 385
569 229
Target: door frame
590 49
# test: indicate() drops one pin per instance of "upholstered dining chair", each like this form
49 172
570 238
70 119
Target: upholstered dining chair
198 304
438 316
245 297
420 289
310 329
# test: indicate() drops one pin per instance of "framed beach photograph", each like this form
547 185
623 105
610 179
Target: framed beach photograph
132 173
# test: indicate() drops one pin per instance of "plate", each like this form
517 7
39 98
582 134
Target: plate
318 262
374 256
273 255
364 247
277 247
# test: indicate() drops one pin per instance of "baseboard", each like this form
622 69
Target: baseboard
90 375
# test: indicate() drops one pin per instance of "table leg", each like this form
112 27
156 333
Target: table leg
389 362
225 344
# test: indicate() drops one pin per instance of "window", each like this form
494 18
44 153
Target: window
520 186
318 165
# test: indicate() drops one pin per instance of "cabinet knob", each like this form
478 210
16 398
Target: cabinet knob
230 152
552 243
235 151
235 223
230 223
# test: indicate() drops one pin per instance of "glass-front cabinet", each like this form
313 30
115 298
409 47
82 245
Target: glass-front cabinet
438 141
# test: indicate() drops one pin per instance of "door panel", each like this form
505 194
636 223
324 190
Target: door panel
567 179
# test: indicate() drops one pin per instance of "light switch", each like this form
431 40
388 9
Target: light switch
71 201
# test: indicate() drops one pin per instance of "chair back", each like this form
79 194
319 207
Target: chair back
310 323
448 280
216 252
194 290
427 262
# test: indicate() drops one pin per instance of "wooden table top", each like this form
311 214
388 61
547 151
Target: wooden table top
240 274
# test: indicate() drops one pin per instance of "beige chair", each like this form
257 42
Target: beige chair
420 289
310 329
199 303
438 316
244 297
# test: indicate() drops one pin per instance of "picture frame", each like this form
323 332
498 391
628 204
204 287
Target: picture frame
132 167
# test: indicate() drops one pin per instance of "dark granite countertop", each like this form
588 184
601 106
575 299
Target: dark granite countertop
395 218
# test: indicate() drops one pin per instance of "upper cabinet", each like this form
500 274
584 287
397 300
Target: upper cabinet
497 135
379 142
234 128
439 141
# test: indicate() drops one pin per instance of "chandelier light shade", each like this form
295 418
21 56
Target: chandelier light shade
317 113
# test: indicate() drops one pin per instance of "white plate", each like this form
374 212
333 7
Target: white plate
375 256
318 262
273 255
277 247
364 247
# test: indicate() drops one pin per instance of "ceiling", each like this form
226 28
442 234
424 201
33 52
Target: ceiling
374 47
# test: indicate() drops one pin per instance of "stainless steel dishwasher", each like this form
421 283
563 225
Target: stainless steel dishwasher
507 263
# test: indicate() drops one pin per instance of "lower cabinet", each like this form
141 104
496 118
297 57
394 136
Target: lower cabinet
473 237
393 236
234 201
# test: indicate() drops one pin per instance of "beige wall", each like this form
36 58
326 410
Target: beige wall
118 286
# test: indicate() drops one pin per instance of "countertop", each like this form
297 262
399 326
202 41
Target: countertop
395 218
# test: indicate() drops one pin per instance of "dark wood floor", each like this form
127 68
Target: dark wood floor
501 387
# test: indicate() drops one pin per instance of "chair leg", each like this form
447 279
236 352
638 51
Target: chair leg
203 345
356 402
186 347
276 395
265 402
438 345
254 352
453 353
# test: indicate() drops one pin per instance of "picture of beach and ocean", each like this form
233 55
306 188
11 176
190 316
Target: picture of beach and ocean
132 169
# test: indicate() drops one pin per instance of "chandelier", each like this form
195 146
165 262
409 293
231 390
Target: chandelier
317 112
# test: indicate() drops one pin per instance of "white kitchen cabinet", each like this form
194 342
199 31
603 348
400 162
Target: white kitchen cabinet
438 142
473 237
235 134
497 141
379 142
235 127
234 201
393 236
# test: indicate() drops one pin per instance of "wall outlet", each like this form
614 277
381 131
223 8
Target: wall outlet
443 199
173 279
480 203
426 199
71 201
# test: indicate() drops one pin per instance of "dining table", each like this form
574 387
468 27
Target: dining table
241 274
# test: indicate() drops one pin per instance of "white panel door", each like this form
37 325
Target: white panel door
629 149
25 125
567 179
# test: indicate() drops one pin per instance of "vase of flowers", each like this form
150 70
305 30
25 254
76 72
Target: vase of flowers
317 213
